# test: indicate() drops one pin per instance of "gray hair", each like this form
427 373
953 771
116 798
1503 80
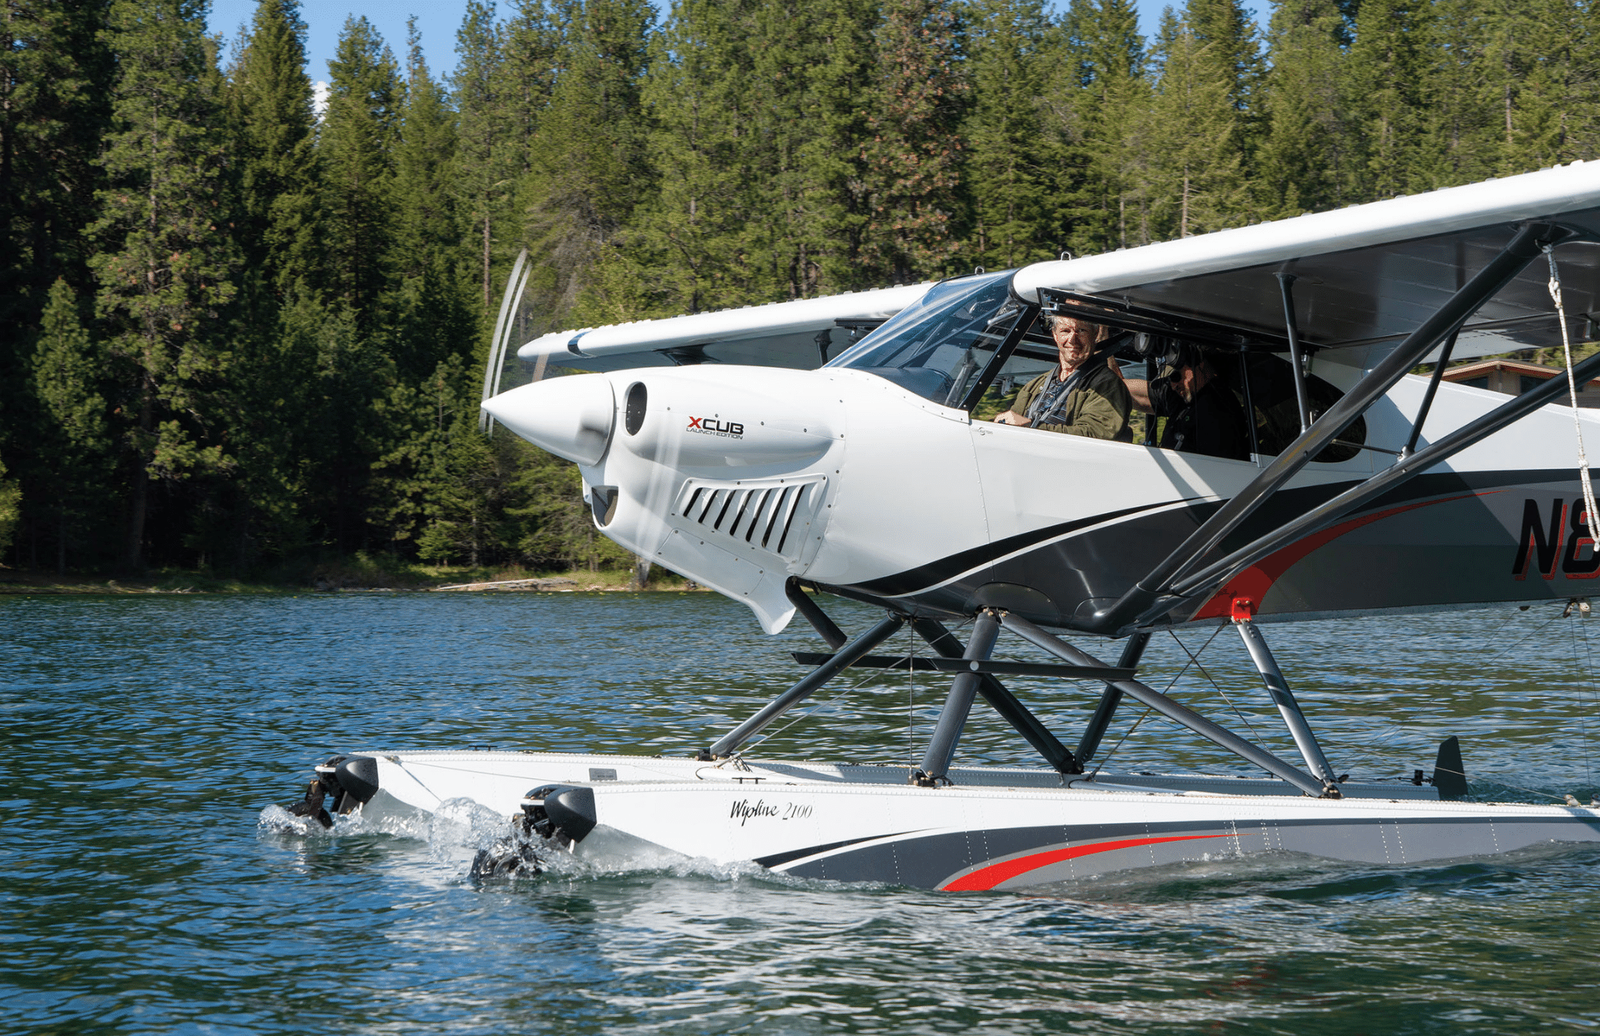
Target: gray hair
1053 319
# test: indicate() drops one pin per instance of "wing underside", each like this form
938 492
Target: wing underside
1366 276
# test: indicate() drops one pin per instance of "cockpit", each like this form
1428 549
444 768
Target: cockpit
970 343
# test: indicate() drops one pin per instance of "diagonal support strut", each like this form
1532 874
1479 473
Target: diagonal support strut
807 686
1176 712
1148 599
1003 701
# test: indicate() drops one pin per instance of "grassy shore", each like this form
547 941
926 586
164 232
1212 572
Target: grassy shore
348 574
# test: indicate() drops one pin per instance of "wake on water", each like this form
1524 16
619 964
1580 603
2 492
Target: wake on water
461 829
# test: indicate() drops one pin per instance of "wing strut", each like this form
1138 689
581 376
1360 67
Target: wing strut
1149 599
1427 397
1326 514
1296 353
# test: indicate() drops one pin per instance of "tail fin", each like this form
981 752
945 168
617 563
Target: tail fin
1449 775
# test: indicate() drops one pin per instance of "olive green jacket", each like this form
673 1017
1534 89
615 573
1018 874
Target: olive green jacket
1097 407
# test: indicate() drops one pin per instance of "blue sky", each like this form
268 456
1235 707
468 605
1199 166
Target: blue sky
438 21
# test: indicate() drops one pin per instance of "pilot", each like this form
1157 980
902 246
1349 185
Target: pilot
1076 397
1203 415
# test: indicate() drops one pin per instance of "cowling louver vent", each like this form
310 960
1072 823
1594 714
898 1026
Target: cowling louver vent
768 515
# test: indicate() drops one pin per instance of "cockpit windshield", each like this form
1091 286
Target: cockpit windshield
938 346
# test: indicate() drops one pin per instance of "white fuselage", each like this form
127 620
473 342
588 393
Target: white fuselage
742 477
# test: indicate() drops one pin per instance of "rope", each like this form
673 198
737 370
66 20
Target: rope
1591 512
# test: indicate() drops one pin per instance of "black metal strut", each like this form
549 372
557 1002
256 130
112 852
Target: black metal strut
1288 707
1433 390
1003 701
1301 400
957 705
1110 698
841 660
826 628
1176 712
953 658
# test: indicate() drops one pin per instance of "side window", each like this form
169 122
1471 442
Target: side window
1277 415
1195 401
1199 400
1034 355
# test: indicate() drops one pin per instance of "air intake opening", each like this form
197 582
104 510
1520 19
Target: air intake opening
603 504
633 413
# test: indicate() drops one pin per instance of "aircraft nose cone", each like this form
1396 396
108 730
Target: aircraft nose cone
571 417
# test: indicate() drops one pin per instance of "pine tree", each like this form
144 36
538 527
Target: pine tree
276 174
913 161
698 236
834 209
10 509
433 319
75 442
530 44
1102 98
1386 84
434 338
1304 160
339 430
360 132
165 262
479 177
1535 81
1195 175
1228 37
269 102
1018 178
533 49
55 75
589 171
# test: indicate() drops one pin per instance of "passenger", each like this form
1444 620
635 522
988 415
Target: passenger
1203 414
1076 397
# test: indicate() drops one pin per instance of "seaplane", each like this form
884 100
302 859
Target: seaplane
842 448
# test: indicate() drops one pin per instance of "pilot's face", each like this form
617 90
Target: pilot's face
1075 339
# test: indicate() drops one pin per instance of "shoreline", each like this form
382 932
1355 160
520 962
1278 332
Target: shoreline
26 584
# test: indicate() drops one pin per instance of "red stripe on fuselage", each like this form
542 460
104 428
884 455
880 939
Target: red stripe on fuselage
988 877
1254 582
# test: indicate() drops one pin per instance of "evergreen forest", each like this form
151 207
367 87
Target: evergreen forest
245 326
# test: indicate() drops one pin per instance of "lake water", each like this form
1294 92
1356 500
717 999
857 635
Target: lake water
149 886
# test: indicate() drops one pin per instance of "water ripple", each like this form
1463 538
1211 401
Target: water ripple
153 884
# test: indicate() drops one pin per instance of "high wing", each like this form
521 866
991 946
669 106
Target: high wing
1362 278
1366 275
801 334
